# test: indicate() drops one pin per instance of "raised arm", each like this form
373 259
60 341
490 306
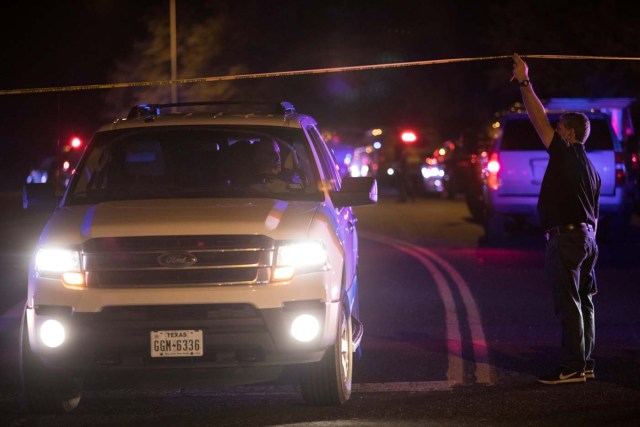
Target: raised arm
534 107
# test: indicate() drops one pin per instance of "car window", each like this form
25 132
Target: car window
192 162
328 160
519 135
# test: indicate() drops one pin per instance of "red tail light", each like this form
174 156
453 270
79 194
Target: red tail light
493 167
408 137
621 174
635 165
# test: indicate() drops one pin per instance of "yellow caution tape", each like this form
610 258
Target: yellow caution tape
298 73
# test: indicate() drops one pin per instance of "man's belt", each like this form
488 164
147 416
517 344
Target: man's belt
559 229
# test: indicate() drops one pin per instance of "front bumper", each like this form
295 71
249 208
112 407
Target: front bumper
234 336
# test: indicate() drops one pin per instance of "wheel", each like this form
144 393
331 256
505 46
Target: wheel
328 382
45 391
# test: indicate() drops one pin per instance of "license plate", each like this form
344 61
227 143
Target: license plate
176 343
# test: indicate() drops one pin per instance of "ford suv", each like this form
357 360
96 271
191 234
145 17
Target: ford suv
517 163
171 256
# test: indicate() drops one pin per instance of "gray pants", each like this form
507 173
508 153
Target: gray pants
569 265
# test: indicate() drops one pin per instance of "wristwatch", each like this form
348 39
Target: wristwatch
524 83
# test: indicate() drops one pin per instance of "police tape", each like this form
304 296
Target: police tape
299 73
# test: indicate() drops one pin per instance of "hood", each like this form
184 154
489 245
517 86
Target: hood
274 218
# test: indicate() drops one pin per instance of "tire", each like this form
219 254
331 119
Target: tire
329 381
355 313
45 391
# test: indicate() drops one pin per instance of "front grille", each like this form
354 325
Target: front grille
117 322
168 261
118 336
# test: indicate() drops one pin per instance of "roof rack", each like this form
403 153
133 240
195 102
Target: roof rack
149 110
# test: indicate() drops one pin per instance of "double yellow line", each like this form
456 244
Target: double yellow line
439 269
299 73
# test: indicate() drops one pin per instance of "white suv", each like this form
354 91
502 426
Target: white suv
170 254
517 163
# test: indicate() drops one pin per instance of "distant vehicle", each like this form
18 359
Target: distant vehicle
216 245
363 162
433 175
402 157
632 163
474 194
50 172
448 170
517 163
45 172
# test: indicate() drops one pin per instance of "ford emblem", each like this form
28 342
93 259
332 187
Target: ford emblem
177 259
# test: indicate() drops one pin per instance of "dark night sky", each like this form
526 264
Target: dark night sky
68 43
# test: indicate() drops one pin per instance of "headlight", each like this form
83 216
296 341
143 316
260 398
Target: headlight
53 260
64 263
299 257
432 172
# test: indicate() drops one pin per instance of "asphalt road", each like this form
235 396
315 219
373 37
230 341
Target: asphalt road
455 334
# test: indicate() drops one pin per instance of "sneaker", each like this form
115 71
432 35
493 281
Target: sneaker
563 376
588 370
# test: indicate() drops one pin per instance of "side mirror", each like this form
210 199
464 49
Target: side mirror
356 191
39 197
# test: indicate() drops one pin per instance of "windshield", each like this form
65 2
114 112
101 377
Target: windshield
196 162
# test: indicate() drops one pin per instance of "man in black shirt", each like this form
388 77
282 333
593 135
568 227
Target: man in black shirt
568 209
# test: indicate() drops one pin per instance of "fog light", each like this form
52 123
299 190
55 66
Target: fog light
52 333
305 328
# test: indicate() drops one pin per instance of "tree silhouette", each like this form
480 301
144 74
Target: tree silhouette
200 49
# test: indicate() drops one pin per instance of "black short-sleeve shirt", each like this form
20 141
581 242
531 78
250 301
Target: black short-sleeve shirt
570 191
